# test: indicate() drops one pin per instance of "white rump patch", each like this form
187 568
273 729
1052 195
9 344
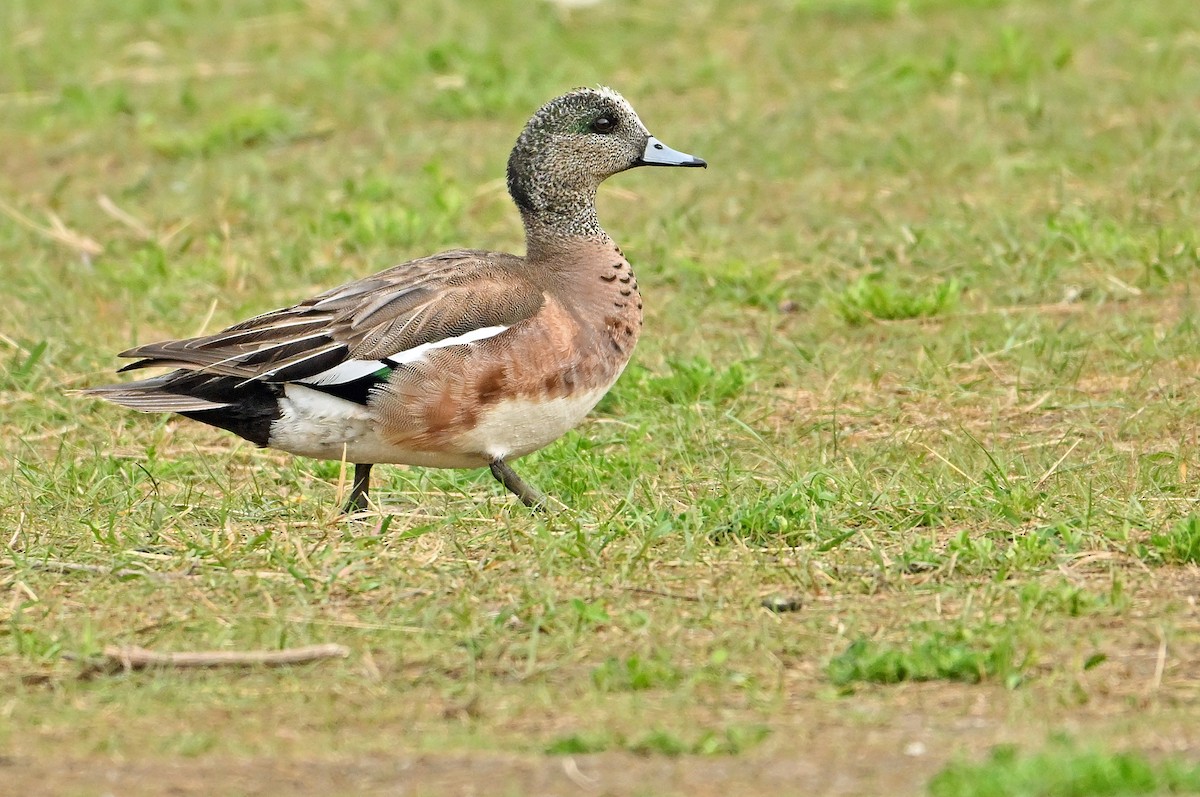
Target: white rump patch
350 370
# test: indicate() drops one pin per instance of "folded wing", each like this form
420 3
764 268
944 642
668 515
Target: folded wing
360 328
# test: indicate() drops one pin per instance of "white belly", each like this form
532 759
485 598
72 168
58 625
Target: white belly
517 427
315 424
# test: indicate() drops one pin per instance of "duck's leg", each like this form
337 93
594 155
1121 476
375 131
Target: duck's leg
515 485
357 501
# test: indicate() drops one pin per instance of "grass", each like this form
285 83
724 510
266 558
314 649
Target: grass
929 655
1065 771
920 361
872 299
726 742
1178 545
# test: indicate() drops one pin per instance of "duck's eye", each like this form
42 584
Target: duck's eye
604 124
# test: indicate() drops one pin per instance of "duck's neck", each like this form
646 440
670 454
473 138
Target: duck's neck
557 204
554 232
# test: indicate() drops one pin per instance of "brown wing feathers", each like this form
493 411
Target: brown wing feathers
417 303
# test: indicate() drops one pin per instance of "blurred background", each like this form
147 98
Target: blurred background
920 352
273 142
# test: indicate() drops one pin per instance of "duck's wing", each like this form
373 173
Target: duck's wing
362 327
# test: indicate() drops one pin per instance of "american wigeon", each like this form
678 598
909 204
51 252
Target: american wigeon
462 359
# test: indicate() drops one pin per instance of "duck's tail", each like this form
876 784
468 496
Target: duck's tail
244 408
157 394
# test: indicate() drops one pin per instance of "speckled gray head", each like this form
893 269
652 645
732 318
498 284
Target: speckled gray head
576 141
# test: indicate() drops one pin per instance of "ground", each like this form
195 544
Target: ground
898 496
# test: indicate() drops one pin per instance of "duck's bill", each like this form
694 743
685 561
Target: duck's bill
659 154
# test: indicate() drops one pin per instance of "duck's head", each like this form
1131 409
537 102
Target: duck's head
575 142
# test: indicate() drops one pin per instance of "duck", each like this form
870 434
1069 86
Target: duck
463 359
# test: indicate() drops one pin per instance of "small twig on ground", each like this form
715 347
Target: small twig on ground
1160 662
571 770
55 566
57 231
1054 467
129 220
661 594
135 658
952 466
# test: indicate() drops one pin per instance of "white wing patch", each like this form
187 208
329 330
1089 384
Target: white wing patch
345 371
350 370
417 352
